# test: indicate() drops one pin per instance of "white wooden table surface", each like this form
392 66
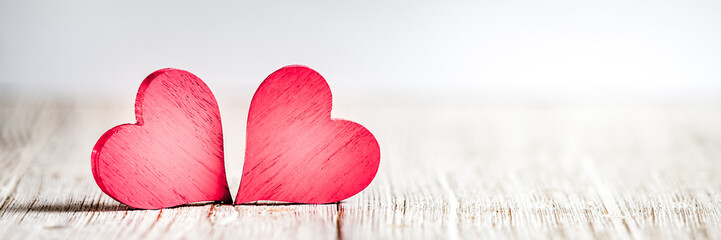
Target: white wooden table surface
448 171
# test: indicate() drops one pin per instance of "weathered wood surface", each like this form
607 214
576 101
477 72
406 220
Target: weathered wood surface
447 172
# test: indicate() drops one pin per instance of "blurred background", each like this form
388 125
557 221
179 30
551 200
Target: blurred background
389 63
496 118
565 51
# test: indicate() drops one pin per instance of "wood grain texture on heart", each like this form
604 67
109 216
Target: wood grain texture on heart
173 155
295 151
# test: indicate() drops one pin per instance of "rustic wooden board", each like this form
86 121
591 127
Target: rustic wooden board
447 171
516 172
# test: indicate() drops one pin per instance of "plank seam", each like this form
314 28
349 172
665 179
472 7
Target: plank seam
339 220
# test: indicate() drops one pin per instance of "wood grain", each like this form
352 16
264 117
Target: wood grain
449 171
295 151
173 155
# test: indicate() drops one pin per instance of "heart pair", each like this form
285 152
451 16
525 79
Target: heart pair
295 151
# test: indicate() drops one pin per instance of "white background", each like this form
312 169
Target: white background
511 49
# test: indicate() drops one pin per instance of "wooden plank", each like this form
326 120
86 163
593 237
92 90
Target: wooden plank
22 132
520 173
57 198
447 172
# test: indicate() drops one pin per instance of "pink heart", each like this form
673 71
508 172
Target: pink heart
295 152
173 155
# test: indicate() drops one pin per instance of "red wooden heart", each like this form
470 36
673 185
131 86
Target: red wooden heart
295 152
173 155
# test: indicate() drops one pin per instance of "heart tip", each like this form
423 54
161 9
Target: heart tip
226 201
227 198
243 200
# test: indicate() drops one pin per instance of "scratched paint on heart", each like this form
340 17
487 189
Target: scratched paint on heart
295 151
173 155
